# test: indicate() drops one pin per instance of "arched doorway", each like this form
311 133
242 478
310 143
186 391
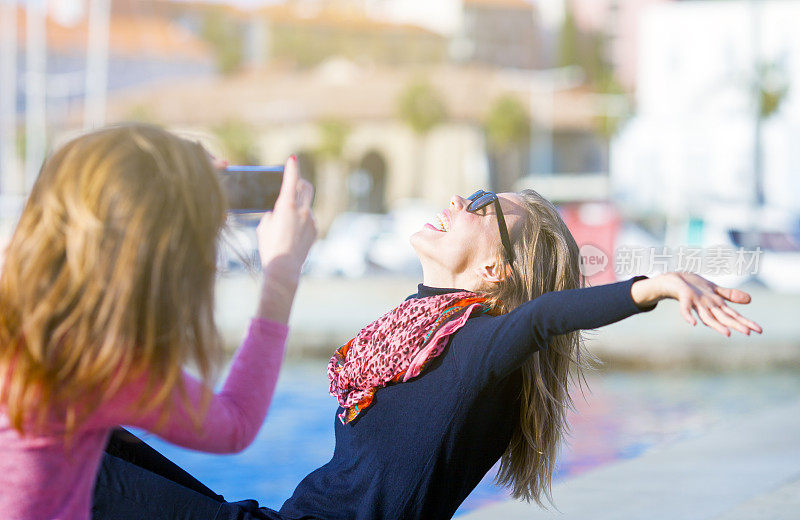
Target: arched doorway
367 184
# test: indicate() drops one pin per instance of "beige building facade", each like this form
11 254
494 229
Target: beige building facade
382 161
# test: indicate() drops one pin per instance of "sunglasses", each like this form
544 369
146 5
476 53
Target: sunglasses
479 200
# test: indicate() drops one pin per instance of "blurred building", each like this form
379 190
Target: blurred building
308 37
380 159
502 33
329 81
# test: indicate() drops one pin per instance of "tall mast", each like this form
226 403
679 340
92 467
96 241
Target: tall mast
35 93
8 95
94 114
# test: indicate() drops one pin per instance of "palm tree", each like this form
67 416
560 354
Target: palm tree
507 127
239 141
770 88
422 108
333 134
224 35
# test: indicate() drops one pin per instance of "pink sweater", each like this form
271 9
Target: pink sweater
40 480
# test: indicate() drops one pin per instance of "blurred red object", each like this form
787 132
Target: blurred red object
594 225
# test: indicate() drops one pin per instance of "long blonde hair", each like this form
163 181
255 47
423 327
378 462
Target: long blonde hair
109 276
546 259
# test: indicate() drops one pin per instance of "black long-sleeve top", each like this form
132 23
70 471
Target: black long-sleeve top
424 445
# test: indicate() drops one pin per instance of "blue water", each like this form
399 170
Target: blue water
625 414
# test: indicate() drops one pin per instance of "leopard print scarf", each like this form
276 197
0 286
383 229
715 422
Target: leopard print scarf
396 347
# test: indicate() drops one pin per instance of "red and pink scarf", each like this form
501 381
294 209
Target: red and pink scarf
397 346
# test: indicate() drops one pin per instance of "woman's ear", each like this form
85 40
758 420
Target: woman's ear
493 273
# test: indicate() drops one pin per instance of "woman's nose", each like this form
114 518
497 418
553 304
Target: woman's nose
458 202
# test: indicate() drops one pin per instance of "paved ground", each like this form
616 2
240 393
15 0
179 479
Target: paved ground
744 470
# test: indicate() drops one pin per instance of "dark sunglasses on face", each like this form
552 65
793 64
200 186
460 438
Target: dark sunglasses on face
479 200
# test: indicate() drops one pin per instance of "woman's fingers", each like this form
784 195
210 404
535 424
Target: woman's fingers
729 321
305 193
710 321
741 319
291 175
219 164
722 318
290 230
686 311
216 162
733 295
737 296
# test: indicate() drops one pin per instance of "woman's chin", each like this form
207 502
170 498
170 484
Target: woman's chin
422 240
427 232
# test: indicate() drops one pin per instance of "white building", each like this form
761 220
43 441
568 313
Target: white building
688 156
690 148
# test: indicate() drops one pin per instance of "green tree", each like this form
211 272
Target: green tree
615 110
508 131
568 41
331 142
225 37
772 86
239 141
142 114
333 135
508 123
422 108
588 50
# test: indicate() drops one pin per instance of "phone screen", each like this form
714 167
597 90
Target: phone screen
251 189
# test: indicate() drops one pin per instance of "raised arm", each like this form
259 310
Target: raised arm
503 343
560 312
236 413
499 345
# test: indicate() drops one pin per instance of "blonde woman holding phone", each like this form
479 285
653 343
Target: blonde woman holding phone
107 292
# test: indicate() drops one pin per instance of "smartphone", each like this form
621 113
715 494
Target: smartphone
251 189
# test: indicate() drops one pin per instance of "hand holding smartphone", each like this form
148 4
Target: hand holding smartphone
284 238
251 189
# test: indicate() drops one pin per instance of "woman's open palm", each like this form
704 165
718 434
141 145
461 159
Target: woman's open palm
709 301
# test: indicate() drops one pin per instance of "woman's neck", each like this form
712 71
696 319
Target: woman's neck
436 276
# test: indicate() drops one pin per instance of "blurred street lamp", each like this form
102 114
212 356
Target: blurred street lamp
8 94
35 93
755 33
94 114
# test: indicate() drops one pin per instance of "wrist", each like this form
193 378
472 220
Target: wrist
281 269
278 288
646 292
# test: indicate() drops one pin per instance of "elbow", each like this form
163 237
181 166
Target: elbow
241 438
240 429
239 445
236 442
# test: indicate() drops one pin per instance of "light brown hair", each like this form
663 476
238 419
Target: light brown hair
109 276
546 259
